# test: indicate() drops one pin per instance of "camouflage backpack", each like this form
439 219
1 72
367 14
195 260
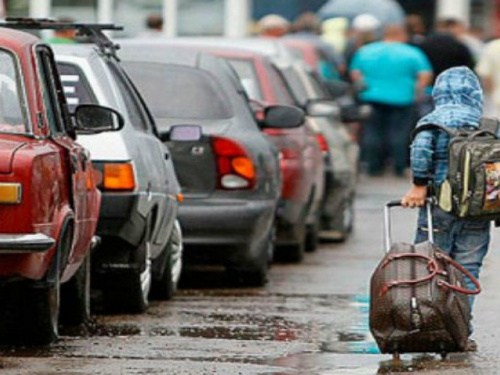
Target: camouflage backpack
471 189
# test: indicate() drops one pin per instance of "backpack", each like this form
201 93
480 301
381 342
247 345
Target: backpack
471 189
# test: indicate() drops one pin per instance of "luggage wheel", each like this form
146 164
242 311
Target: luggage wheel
396 358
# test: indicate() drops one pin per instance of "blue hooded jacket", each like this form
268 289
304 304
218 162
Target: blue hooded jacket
458 102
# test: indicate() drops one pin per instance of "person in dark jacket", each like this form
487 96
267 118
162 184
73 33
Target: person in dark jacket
458 101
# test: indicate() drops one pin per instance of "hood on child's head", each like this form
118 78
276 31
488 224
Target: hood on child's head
458 86
458 99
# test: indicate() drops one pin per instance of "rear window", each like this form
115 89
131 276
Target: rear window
174 91
75 85
248 77
12 116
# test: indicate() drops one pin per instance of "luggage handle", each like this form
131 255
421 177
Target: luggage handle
463 270
387 222
432 266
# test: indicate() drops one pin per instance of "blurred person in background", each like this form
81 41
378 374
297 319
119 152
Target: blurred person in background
364 30
488 69
154 26
459 30
63 36
333 32
444 51
416 29
273 26
395 74
308 27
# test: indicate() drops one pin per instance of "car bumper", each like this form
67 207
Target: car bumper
25 243
224 231
119 217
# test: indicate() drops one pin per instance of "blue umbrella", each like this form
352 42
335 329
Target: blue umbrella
386 11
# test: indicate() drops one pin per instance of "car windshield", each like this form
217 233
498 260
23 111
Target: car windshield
248 77
76 88
174 91
12 115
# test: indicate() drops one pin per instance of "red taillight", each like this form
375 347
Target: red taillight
234 166
323 144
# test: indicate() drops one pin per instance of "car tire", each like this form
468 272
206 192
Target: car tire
75 296
342 223
41 304
128 291
312 235
165 287
255 275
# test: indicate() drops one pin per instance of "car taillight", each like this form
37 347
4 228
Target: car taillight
119 176
235 168
323 144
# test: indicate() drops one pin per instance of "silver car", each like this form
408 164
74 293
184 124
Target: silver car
141 239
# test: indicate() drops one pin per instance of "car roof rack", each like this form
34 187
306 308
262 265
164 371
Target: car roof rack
92 31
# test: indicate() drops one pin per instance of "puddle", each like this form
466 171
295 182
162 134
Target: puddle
230 332
94 328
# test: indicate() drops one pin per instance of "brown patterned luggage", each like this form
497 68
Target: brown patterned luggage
419 302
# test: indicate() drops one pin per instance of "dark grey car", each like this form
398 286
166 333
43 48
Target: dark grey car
230 178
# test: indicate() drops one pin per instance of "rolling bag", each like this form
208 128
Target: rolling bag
419 302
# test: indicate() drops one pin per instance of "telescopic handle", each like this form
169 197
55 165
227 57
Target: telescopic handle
387 222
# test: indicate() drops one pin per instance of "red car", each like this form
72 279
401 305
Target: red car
49 203
302 163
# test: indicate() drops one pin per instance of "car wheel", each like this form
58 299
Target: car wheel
128 291
255 275
312 235
75 296
165 287
342 223
40 310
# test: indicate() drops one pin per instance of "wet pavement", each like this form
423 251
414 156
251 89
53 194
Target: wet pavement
311 319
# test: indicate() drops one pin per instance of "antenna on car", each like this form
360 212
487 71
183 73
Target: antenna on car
92 31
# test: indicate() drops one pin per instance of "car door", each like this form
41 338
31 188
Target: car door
153 154
72 154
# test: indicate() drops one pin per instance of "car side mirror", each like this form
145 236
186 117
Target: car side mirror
337 89
282 117
322 108
182 133
93 118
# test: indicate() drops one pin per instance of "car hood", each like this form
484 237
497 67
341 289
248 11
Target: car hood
7 150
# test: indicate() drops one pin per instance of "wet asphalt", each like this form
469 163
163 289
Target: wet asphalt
310 319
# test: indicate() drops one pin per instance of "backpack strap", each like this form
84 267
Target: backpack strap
490 124
421 128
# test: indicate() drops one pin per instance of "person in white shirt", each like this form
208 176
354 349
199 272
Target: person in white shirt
488 69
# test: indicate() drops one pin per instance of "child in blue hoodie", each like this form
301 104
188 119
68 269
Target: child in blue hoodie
458 102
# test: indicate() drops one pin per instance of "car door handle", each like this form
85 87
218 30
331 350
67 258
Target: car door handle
166 155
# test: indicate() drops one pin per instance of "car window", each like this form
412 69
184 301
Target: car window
295 84
281 90
318 89
12 116
76 86
52 93
137 116
248 77
182 92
